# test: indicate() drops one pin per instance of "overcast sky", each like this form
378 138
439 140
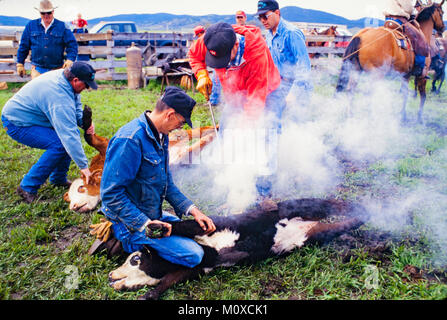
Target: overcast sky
68 9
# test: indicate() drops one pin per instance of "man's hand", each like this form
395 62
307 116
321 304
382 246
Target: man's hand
91 130
67 64
21 69
204 83
205 222
86 174
164 225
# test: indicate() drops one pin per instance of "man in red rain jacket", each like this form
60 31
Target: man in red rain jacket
245 67
243 63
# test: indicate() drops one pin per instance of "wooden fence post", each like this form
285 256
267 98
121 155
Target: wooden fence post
110 55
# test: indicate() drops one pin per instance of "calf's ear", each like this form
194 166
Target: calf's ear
95 178
66 197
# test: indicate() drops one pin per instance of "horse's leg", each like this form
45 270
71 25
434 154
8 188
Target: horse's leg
441 81
404 91
422 82
350 63
433 84
415 87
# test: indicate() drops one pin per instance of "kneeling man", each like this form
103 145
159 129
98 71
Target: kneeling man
136 180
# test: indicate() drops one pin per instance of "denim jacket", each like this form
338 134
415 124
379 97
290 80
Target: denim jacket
289 52
47 49
136 177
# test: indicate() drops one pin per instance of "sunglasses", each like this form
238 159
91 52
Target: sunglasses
47 13
265 16
239 17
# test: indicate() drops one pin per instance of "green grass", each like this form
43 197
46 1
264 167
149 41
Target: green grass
38 242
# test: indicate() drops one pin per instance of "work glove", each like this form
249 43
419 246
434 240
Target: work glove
67 64
204 83
21 69
185 82
102 230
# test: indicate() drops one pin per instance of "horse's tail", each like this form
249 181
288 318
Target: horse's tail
350 60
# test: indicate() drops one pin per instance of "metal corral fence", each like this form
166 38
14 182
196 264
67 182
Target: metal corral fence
106 68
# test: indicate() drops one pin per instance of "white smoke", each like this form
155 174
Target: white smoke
317 136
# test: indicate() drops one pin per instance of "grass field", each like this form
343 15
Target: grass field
43 246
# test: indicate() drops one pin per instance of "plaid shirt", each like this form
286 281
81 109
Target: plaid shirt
239 59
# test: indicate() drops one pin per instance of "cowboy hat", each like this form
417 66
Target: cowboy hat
45 6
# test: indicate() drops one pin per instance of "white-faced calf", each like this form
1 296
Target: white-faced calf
241 239
82 196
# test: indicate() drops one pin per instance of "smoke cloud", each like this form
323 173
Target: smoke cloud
331 143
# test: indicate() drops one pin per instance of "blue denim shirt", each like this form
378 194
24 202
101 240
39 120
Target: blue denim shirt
50 101
136 177
47 49
289 52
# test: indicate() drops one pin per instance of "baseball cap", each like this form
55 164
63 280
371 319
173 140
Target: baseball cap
198 30
178 100
84 72
241 13
267 5
219 39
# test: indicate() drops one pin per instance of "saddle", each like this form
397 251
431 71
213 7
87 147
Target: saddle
397 29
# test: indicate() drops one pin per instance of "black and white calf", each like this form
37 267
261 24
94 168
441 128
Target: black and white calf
241 239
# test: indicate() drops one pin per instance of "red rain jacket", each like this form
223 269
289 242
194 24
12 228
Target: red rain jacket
248 84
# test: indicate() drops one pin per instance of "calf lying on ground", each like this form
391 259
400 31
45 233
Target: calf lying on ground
86 197
240 239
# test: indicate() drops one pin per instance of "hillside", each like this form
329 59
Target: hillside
12 21
166 21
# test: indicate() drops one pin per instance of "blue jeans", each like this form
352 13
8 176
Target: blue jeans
175 249
216 92
54 162
275 105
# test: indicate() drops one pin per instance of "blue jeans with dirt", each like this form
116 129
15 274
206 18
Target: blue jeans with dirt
175 249
54 162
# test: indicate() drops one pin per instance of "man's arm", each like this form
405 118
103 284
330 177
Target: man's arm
297 46
196 55
24 46
64 121
71 45
123 161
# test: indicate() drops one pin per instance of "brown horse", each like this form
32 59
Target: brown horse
385 49
331 31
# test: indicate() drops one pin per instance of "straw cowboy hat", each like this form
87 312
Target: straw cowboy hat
45 6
